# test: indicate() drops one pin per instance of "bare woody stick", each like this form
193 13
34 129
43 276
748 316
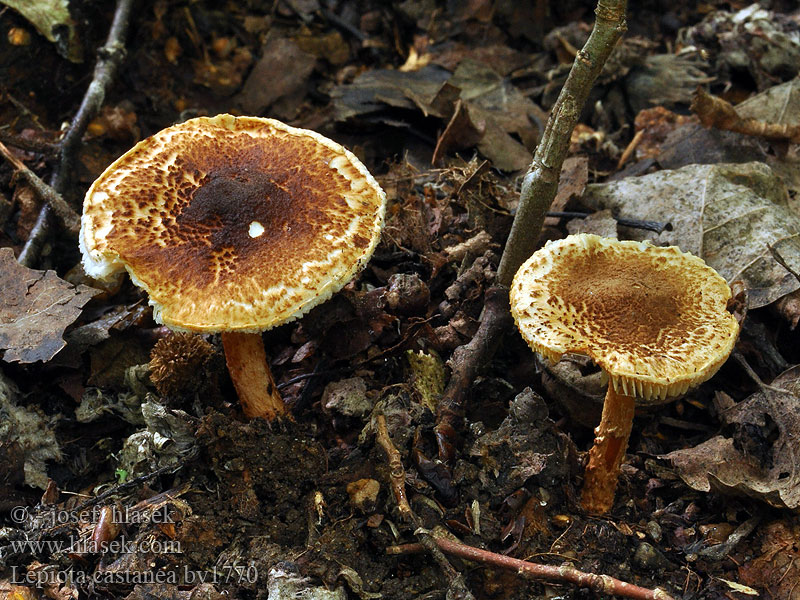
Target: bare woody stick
109 58
541 182
538 190
602 584
69 219
396 471
457 587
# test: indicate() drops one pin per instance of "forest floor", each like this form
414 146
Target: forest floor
444 103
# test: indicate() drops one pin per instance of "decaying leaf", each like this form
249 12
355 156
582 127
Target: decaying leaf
760 458
734 216
490 113
779 104
374 91
31 432
282 70
692 143
777 568
51 18
35 308
428 376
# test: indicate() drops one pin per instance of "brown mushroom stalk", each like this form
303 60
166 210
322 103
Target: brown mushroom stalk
251 375
234 225
654 319
605 457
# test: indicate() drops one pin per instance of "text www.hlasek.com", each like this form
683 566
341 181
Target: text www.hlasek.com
89 546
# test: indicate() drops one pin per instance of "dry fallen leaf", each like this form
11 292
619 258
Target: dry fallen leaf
734 216
779 104
35 309
281 71
492 114
777 568
760 458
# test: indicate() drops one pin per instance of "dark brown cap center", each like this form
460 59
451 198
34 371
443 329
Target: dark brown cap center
223 207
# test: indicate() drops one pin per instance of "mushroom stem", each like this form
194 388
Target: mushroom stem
252 378
605 457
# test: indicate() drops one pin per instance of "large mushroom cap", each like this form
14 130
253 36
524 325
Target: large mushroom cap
233 223
653 318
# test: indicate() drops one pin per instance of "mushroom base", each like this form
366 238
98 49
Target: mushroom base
605 457
251 375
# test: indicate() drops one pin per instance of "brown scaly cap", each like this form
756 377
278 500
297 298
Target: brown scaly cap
653 318
232 223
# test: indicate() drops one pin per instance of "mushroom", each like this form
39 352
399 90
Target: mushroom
653 318
233 225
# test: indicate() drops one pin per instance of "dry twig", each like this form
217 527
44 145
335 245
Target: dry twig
69 219
602 584
109 58
396 471
456 586
541 181
28 144
538 190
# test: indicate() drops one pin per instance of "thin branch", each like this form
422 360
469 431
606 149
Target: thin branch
134 483
68 218
457 589
28 144
541 182
397 473
464 366
538 190
602 584
110 57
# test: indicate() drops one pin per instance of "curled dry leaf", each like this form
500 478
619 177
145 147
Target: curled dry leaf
491 114
756 460
734 216
718 112
35 309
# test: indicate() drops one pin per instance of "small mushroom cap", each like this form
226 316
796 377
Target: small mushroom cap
232 223
654 319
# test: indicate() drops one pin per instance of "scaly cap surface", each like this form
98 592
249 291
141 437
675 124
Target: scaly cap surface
653 318
232 223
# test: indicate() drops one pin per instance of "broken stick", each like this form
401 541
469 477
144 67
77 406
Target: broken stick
539 187
456 586
69 219
109 59
602 584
